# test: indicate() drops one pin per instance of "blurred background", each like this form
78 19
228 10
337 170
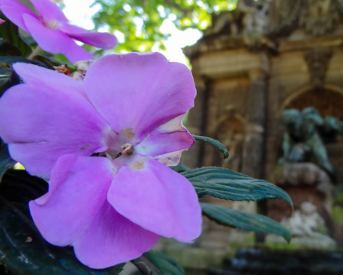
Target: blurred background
269 75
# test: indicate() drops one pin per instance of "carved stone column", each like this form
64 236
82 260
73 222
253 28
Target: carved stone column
254 144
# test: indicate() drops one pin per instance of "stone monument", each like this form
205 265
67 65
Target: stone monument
252 64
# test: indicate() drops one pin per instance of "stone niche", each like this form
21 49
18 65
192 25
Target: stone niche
252 64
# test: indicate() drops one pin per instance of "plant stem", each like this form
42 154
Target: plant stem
34 53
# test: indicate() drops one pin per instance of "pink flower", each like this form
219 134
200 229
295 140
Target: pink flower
2 21
105 143
51 29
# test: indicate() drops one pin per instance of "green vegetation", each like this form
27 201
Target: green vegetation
139 21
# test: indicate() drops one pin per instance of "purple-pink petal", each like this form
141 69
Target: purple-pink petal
49 10
38 76
54 41
98 39
139 91
168 138
158 199
41 123
158 143
14 11
75 212
50 28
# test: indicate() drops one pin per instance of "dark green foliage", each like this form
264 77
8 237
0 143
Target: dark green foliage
5 160
226 184
246 221
8 77
140 21
10 41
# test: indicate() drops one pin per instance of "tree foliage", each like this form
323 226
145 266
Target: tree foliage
141 20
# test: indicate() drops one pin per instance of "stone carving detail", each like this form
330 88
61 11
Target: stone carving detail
306 174
256 17
317 60
309 228
303 139
320 16
230 130
317 17
257 22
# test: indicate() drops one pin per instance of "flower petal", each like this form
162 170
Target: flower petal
49 10
139 91
55 41
158 199
75 212
41 124
168 138
98 39
39 76
14 11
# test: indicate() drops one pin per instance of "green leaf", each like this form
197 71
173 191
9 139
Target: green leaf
215 143
226 184
246 221
165 264
22 249
180 168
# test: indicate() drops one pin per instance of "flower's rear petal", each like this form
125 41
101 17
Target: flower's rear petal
158 199
168 138
49 10
97 39
39 76
14 11
139 91
55 41
157 143
41 124
75 212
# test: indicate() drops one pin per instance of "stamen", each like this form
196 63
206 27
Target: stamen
127 149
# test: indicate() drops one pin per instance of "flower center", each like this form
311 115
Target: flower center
126 150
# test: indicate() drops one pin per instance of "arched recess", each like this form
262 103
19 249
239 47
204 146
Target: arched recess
328 100
230 130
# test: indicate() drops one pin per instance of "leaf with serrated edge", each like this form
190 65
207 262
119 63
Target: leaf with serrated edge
227 184
165 264
246 221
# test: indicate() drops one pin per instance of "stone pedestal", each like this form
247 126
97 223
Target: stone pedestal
311 190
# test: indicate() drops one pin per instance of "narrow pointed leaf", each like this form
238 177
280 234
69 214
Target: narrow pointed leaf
165 264
246 221
227 184
215 143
